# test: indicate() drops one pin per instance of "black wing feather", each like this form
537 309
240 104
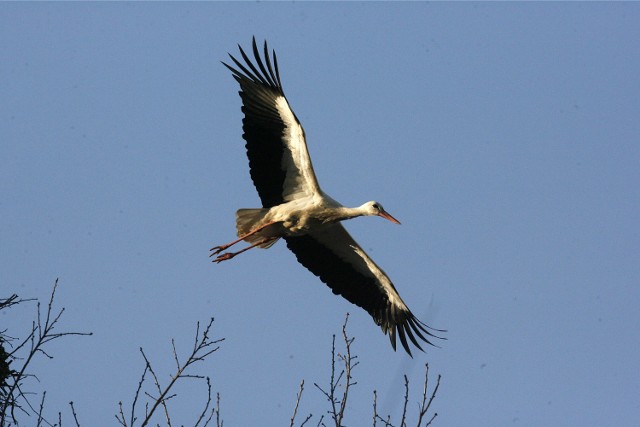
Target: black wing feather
275 78
262 125
345 280
264 73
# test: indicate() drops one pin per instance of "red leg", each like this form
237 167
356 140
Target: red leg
229 255
217 249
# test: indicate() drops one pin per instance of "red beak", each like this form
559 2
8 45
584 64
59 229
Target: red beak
385 215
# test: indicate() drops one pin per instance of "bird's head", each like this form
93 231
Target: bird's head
375 209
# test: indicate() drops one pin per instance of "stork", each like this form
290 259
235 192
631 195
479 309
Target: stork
296 209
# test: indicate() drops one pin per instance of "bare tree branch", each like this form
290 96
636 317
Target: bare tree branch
306 419
339 404
75 416
218 421
15 399
424 408
12 395
375 407
203 346
40 419
403 422
349 364
295 409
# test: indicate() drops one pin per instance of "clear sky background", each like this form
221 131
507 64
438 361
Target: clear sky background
505 137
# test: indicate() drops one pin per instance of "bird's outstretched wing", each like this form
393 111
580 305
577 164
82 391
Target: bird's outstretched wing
280 165
333 255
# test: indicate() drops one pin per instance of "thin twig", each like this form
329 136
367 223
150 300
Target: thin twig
306 419
403 422
295 409
435 414
387 422
348 366
206 407
75 416
40 418
13 300
375 407
120 416
135 398
218 421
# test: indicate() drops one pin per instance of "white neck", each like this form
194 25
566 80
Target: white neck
345 212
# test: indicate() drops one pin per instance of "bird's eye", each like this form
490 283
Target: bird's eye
376 206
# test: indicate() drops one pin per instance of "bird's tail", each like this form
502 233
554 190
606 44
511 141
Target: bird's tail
249 219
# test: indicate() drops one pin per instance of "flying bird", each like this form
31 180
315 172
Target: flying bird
295 208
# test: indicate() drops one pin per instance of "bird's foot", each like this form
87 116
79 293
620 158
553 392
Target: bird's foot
217 249
224 257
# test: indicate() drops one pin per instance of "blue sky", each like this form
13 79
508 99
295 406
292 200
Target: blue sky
504 136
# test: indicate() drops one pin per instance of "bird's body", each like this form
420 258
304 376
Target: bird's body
296 209
297 217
